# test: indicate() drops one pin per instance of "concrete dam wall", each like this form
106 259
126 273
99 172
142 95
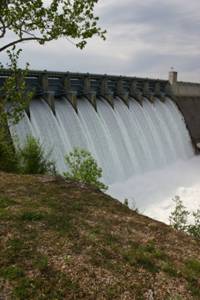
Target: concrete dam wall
187 97
54 85
130 125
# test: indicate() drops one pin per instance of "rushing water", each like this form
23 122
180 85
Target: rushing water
153 191
128 143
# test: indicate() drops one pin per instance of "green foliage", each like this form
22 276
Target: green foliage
44 21
33 160
192 266
42 263
83 167
133 205
12 272
145 256
22 290
126 202
191 272
29 159
14 249
14 97
6 202
32 216
169 269
179 219
194 229
8 159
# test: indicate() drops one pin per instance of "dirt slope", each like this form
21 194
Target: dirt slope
61 240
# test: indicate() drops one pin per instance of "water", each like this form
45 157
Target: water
153 191
136 146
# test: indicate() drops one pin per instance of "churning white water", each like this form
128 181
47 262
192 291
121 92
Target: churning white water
152 192
145 151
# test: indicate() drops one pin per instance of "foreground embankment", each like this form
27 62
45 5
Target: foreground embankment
63 240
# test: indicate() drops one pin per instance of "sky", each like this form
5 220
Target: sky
144 38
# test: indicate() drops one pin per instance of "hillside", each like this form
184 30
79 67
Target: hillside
63 240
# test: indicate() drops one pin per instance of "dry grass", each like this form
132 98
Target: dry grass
63 240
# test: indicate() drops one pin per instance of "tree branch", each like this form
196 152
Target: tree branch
20 41
2 28
29 33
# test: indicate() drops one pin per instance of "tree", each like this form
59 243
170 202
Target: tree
44 21
14 97
32 158
41 21
83 167
179 219
179 216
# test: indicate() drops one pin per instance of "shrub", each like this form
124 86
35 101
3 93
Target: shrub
8 159
126 202
83 168
194 229
179 219
33 160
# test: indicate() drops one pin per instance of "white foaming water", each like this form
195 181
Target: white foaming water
144 151
152 192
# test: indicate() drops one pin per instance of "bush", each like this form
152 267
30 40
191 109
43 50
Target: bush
8 158
194 229
126 202
83 168
179 219
32 158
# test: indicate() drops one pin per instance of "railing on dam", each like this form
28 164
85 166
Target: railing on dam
52 85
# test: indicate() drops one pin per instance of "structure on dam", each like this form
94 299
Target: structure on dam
131 125
187 97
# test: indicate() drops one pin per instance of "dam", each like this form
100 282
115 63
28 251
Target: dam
132 126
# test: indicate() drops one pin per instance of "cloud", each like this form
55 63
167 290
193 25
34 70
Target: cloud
144 39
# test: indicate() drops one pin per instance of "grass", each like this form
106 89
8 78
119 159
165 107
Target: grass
6 202
191 272
23 289
12 272
63 241
146 256
192 268
32 216
169 269
41 263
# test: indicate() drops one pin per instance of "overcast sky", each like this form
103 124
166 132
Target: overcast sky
145 38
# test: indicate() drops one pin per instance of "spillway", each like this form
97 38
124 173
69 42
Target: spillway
125 141
144 133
